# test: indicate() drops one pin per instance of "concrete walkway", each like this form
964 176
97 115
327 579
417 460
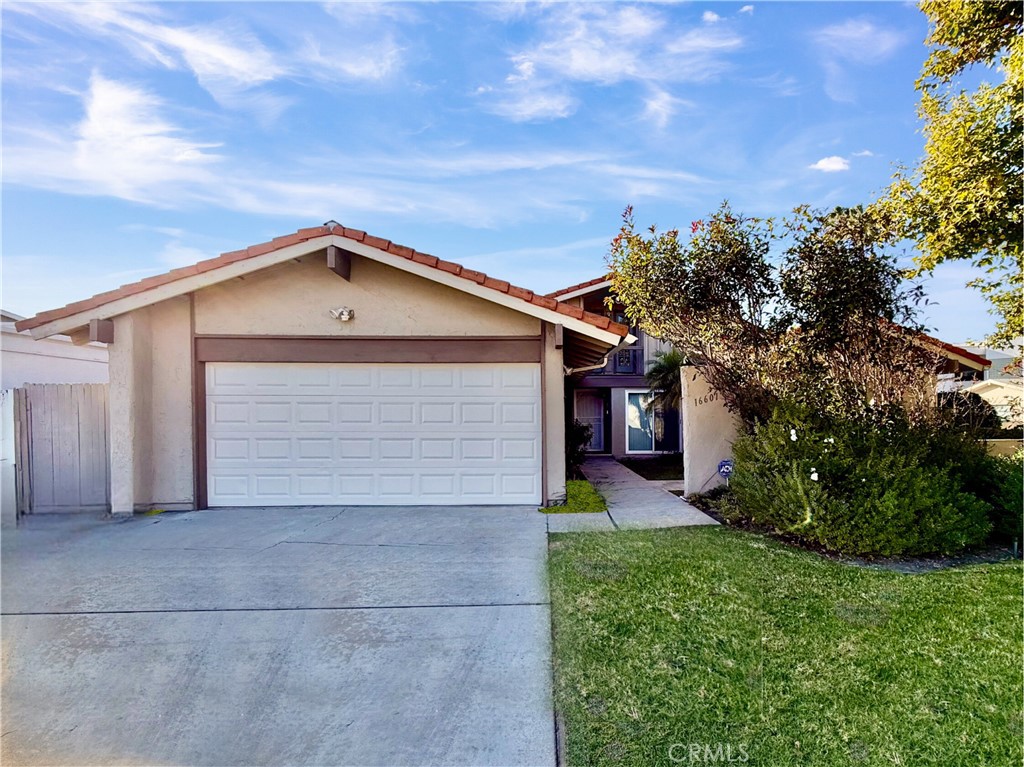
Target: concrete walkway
634 503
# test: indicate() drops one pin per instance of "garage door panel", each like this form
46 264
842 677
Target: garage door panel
298 434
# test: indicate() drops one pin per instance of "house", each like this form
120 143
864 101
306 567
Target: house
55 360
328 367
1004 395
1006 363
612 398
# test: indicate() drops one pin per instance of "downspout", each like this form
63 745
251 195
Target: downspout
629 340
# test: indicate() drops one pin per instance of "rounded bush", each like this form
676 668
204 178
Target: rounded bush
877 487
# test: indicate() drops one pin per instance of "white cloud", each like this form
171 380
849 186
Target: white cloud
747 9
606 44
855 42
859 40
831 164
229 60
864 153
123 147
126 147
528 105
710 17
660 106
373 61
705 41
225 59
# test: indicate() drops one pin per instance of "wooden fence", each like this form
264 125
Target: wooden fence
62 452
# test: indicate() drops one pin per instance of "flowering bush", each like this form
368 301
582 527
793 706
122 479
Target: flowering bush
877 486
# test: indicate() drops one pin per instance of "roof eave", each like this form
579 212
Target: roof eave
247 265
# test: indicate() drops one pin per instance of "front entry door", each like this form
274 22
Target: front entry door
590 410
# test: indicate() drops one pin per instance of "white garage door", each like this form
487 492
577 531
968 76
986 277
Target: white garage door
287 434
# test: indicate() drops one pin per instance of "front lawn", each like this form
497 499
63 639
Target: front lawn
668 466
728 643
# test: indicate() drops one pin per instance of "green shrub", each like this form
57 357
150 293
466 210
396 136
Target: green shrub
877 487
1008 498
719 500
577 437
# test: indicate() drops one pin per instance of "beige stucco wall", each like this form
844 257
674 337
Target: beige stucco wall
151 409
708 433
150 365
554 418
294 299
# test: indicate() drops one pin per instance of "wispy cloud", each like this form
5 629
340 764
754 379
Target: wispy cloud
127 146
855 42
710 17
747 9
859 40
124 146
864 153
832 164
660 106
225 58
604 45
228 59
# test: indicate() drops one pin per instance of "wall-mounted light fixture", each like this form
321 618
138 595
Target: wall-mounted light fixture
344 314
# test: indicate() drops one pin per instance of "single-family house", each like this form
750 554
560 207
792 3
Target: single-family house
613 398
330 366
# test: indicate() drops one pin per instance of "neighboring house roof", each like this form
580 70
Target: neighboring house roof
255 257
957 352
948 350
1012 386
579 289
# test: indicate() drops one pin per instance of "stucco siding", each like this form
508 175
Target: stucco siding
709 430
554 418
170 483
151 409
294 299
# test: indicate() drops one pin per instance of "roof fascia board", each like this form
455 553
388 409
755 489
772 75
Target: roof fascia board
246 266
182 286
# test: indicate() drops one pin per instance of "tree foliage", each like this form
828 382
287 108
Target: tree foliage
963 200
665 379
829 324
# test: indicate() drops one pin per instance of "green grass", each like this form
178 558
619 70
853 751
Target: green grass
580 498
722 638
668 466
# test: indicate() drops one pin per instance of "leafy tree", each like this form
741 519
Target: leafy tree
665 378
825 327
963 200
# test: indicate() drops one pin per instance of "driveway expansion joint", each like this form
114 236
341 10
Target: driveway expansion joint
329 608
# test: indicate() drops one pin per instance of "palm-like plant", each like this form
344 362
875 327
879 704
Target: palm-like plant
665 380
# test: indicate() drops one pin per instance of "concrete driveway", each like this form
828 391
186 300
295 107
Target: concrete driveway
327 636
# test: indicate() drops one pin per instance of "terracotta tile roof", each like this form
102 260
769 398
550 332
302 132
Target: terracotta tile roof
983 362
302 235
580 286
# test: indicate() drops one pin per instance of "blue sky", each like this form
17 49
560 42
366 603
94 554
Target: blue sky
508 137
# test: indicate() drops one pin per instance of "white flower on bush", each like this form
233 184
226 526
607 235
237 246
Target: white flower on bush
814 474
830 440
792 434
